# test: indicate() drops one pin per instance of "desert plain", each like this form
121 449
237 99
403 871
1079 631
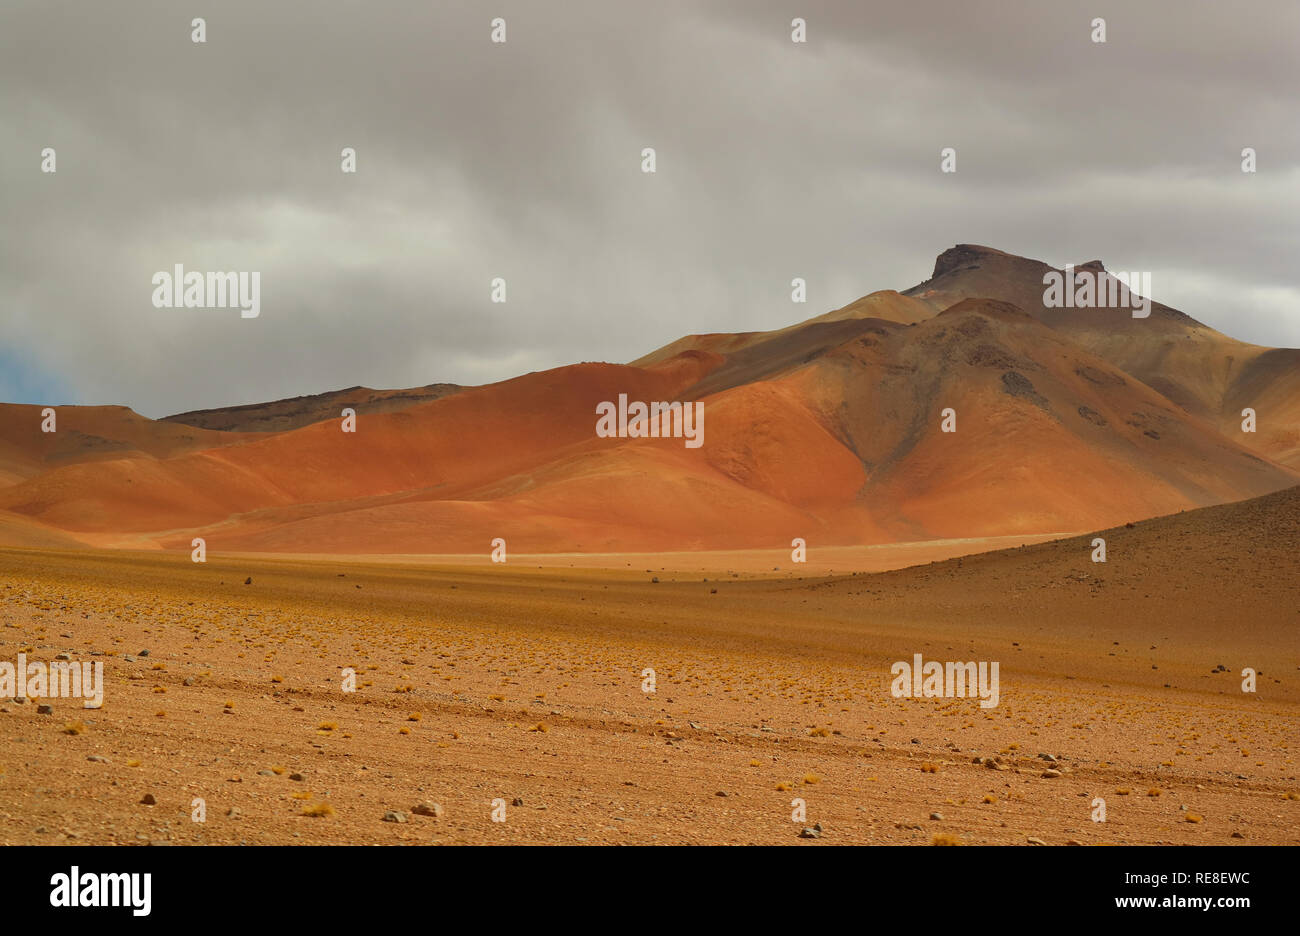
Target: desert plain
519 688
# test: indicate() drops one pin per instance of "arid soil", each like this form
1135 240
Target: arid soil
523 682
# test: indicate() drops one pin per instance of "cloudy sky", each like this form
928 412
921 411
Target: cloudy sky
523 160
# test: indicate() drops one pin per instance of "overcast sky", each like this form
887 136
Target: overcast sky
523 160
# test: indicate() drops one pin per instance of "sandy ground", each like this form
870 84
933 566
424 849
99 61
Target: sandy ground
514 683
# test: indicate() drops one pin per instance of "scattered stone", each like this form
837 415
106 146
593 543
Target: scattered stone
1051 774
721 793
1074 842
248 581
187 681
233 812
1035 841
148 800
97 759
937 817
128 658
43 709
809 833
62 656
517 801
394 816
428 809
266 773
297 776
1048 757
144 653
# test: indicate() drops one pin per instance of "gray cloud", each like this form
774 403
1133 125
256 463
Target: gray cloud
522 161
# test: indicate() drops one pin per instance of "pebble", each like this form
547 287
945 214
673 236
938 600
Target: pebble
428 809
394 816
1049 774
809 833
147 800
1035 841
937 817
44 709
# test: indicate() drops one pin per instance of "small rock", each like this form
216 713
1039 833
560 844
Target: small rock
233 812
937 817
187 681
809 833
1048 757
428 809
266 773
43 709
148 800
517 801
62 656
1035 841
128 658
144 653
97 759
248 581
394 816
1050 774
721 793
296 776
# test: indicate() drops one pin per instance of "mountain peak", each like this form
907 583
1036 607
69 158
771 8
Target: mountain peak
961 256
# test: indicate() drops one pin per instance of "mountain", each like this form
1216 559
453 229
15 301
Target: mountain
829 429
1208 374
297 412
